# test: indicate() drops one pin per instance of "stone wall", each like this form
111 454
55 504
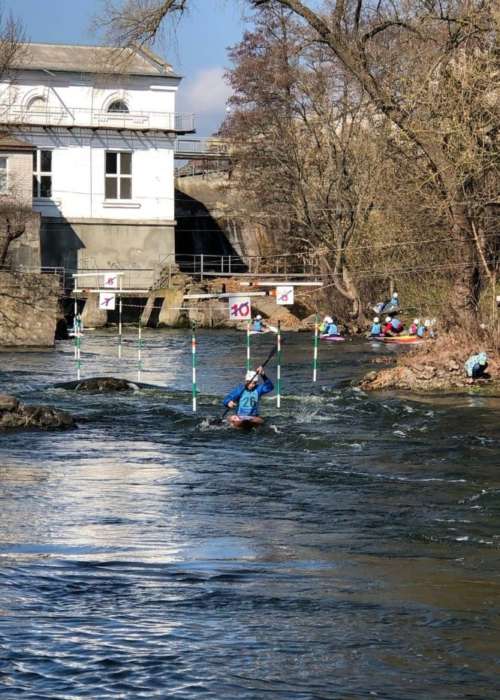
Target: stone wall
107 244
25 250
28 309
206 210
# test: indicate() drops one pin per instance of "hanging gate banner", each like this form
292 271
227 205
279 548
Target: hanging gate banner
240 308
107 301
284 295
110 280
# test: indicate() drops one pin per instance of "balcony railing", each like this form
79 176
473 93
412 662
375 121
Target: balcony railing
96 119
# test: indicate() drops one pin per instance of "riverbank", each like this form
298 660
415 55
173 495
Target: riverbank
436 366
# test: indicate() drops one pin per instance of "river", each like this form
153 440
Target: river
349 549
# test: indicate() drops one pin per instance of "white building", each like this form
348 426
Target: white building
103 124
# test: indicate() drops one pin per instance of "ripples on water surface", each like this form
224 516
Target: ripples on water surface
350 549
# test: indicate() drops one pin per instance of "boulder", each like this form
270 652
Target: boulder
92 315
8 403
17 416
104 385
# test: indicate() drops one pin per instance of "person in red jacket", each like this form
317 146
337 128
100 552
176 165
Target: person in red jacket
393 326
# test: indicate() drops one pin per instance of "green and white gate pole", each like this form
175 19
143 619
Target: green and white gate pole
78 346
120 309
278 366
315 353
248 346
193 355
139 352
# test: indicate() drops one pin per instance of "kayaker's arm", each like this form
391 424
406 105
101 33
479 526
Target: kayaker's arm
234 396
266 387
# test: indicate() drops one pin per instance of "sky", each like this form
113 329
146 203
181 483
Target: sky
197 49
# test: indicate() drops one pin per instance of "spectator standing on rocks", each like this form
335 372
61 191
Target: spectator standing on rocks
476 365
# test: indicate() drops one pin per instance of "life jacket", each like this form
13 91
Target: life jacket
249 403
376 329
421 331
332 329
257 326
396 324
413 329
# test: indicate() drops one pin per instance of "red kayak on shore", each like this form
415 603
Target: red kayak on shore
245 422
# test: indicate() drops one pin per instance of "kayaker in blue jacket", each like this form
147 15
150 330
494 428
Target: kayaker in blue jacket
376 329
258 324
245 397
331 327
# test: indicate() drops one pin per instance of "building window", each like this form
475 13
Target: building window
42 174
118 106
37 105
3 175
118 176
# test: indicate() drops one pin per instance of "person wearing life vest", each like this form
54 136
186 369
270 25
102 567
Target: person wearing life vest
258 324
476 365
324 323
422 329
376 329
245 397
414 327
393 326
392 306
331 326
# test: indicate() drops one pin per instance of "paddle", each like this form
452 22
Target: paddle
268 358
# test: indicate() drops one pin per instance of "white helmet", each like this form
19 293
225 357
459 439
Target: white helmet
395 295
376 319
388 319
427 323
258 317
416 321
250 375
329 319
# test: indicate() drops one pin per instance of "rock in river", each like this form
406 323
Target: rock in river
17 416
100 385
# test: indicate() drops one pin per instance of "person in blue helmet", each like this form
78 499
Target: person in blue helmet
376 329
475 367
245 397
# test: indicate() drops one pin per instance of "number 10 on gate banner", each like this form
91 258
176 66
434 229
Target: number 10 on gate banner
240 308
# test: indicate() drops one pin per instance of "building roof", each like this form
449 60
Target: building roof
12 144
70 58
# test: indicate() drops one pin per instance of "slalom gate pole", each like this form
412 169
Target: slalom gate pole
139 352
315 352
193 355
120 309
78 347
278 366
75 318
248 346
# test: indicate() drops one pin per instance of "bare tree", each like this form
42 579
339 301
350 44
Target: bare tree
404 55
14 217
